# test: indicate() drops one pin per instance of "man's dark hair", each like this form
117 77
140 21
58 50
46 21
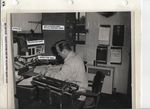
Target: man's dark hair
63 45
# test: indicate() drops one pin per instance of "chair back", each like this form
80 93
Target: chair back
98 82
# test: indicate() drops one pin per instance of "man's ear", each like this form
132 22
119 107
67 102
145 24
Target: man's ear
64 51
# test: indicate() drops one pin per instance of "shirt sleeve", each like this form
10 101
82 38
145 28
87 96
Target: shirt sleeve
64 73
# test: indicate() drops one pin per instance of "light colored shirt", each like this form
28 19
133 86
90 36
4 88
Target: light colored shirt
73 70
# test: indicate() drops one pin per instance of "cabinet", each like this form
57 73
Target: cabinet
60 27
80 29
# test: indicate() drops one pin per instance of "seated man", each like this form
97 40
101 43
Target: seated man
73 69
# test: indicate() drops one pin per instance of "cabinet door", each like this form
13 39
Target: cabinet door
70 22
52 36
67 20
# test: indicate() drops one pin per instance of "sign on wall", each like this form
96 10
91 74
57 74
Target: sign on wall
118 35
16 29
34 42
53 27
104 34
46 57
116 55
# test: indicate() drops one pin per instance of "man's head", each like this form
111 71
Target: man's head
63 48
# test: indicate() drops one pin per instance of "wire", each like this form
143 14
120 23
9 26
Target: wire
36 27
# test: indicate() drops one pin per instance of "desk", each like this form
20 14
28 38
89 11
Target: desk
29 73
47 90
108 80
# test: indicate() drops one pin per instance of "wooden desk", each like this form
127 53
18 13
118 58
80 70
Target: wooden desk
108 80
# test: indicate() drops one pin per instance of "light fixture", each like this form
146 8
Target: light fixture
107 14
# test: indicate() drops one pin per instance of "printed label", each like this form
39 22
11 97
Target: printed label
53 27
46 57
16 29
33 42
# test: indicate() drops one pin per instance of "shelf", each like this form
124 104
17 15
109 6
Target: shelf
30 56
79 42
80 28
80 24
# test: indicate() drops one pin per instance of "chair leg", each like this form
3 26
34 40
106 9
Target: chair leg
97 102
61 104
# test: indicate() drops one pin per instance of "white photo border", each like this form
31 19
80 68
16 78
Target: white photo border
28 6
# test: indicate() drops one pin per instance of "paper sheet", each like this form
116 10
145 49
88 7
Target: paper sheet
47 69
26 82
40 69
104 34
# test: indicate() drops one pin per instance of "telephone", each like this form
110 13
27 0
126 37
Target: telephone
20 67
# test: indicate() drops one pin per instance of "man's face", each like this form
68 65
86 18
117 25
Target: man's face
61 53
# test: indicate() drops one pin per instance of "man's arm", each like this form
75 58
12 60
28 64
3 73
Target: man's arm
63 74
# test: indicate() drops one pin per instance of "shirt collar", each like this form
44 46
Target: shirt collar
71 54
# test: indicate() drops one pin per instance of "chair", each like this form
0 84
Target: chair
93 96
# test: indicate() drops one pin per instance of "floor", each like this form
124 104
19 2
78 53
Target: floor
114 101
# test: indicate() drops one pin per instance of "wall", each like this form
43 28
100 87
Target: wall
93 20
21 20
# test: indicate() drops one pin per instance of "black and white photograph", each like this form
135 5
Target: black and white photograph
72 60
